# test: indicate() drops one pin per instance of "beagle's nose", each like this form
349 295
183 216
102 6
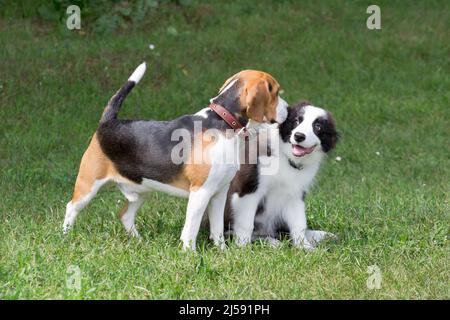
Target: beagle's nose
299 137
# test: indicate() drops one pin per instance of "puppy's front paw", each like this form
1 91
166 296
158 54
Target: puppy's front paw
219 241
188 245
242 241
273 242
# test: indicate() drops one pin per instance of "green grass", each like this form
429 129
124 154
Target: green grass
388 90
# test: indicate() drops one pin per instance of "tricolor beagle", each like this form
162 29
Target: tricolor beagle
140 156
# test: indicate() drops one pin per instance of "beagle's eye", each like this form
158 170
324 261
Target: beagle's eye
270 87
317 126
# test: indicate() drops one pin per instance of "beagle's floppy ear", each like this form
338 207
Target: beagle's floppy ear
256 101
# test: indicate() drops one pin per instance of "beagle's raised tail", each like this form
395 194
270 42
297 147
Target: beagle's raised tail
113 106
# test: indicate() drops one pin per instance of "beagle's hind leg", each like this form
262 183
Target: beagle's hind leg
95 171
77 204
128 215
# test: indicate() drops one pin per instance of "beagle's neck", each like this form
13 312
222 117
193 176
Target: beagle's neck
229 98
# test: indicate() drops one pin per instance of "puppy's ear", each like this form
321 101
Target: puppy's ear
257 99
331 133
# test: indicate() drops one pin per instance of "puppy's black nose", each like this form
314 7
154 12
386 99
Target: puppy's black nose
299 137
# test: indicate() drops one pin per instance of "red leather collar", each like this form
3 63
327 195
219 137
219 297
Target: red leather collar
227 117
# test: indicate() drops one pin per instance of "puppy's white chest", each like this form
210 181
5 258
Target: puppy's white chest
286 185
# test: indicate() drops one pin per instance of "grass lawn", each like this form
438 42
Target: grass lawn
387 199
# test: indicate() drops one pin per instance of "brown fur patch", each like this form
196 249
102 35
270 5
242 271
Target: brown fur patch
196 171
180 182
94 165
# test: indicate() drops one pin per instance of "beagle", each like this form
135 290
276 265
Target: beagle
141 156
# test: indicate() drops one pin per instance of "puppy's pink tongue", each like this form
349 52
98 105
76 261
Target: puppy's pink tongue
299 151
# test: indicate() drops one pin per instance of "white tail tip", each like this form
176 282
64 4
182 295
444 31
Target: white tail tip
138 73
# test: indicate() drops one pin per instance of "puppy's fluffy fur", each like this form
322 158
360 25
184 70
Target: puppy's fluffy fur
265 205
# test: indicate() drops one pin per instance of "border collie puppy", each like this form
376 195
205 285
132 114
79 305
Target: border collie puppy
263 206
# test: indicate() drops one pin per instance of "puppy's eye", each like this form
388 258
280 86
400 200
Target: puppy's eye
317 126
300 119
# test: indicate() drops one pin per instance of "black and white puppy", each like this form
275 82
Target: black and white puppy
264 205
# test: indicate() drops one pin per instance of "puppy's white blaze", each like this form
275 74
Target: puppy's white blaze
138 73
306 126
